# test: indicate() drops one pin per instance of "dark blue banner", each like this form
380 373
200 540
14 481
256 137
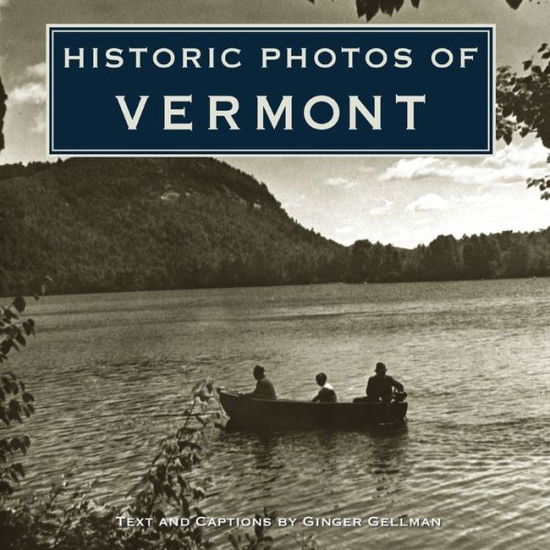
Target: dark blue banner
246 90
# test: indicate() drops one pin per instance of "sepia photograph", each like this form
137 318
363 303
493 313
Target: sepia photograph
274 274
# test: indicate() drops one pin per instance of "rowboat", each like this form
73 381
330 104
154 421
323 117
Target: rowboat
285 414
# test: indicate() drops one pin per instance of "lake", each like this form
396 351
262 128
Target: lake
110 373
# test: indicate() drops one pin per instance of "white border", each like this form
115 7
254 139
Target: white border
489 29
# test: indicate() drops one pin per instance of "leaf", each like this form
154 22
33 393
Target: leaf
5 347
21 339
199 493
514 4
506 111
368 8
9 315
28 327
27 397
169 492
387 7
527 64
5 488
19 304
14 406
4 418
19 469
234 542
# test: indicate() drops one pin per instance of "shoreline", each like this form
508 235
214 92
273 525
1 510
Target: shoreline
200 288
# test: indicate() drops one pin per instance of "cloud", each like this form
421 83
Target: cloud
513 163
32 93
410 169
534 155
367 169
36 71
345 230
381 210
39 123
428 202
481 201
339 182
422 221
296 202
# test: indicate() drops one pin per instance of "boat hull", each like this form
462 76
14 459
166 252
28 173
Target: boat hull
290 415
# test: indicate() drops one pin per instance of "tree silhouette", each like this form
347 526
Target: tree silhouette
523 105
370 8
3 98
523 101
441 259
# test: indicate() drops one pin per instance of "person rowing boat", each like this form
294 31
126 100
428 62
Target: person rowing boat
381 386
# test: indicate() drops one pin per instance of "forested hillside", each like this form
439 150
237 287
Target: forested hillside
500 255
127 224
131 224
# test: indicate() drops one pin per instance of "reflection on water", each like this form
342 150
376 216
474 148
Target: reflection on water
110 374
310 473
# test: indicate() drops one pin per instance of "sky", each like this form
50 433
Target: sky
402 201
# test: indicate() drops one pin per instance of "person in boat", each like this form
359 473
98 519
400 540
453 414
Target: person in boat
264 387
380 386
326 393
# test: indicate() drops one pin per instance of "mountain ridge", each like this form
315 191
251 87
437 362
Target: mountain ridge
118 224
97 225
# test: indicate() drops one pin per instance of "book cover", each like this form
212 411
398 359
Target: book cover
274 274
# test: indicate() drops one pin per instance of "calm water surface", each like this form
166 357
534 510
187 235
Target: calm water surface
109 373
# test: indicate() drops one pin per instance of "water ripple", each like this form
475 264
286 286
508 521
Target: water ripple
111 373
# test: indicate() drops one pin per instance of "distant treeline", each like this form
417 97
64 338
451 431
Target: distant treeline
499 255
97 225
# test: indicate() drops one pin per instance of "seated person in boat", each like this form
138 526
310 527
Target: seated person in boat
379 386
326 393
264 387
